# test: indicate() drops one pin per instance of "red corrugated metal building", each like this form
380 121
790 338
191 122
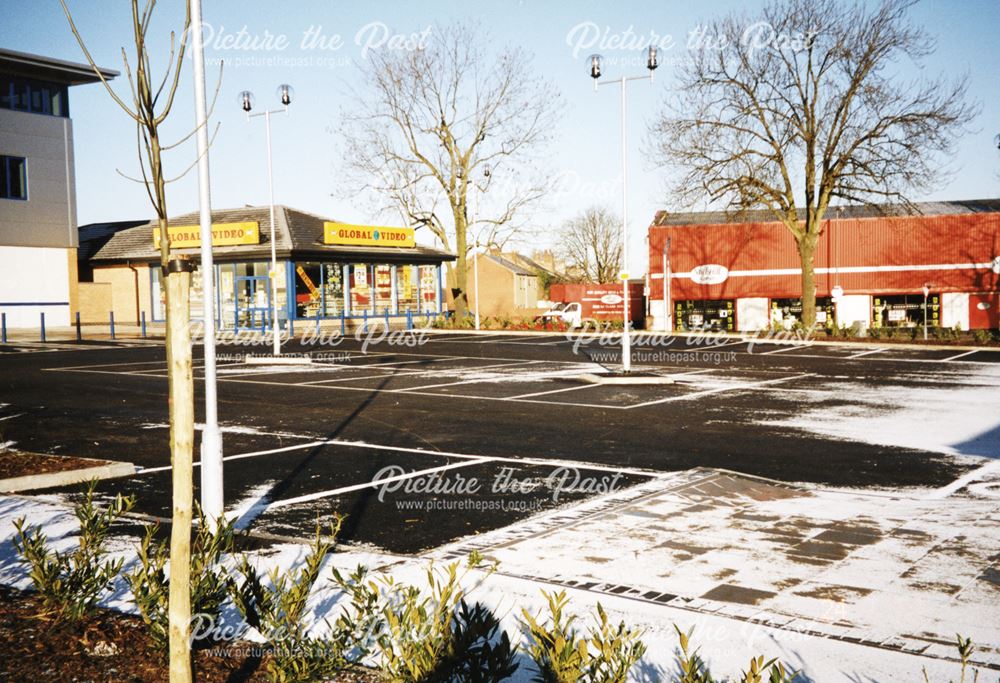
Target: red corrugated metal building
743 273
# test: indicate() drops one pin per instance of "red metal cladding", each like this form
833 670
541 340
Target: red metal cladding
862 255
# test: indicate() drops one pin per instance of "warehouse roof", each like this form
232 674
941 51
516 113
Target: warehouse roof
949 208
297 233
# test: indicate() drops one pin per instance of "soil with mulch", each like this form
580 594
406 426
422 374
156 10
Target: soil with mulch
20 464
111 646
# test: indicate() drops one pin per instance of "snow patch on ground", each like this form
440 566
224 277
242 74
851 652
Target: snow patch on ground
956 419
232 429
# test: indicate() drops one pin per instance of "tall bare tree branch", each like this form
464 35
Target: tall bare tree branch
803 105
433 119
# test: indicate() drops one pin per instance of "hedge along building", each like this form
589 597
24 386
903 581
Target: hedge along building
325 269
871 268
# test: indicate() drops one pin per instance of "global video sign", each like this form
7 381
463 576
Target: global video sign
367 235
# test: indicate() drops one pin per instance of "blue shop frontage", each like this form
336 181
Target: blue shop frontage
325 270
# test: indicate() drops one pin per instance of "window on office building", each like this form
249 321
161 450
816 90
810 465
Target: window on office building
37 97
13 178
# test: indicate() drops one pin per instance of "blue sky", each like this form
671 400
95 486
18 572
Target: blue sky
307 172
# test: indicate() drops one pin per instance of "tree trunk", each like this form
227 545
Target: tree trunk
807 258
181 401
461 265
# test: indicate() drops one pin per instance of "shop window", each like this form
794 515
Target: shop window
361 290
13 177
716 316
333 289
905 310
407 289
785 313
428 289
383 289
308 292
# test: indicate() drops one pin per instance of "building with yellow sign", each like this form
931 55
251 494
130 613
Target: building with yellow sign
326 269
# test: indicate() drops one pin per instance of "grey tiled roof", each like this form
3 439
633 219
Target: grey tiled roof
298 234
965 206
94 236
508 264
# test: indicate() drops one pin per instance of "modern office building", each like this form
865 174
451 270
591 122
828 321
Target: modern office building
38 226
741 273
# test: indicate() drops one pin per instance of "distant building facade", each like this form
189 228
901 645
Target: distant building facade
872 265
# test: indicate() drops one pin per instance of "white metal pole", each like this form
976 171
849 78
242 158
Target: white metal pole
475 263
212 501
274 258
475 270
626 346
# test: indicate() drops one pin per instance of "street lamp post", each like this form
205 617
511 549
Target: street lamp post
595 73
212 503
475 262
285 93
927 291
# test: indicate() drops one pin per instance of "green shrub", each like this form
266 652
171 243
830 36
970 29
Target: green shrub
210 583
563 655
692 668
71 583
981 336
429 637
965 650
276 609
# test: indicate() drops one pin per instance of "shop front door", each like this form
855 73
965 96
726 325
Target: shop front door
253 303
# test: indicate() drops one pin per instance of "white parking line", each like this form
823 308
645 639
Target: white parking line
553 391
469 381
967 353
416 373
367 485
718 390
413 392
866 353
790 347
241 456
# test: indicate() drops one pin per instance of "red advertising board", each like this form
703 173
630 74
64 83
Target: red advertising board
602 302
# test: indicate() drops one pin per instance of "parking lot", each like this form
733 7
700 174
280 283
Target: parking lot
433 410
794 492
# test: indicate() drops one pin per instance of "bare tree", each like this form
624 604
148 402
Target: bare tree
152 102
591 244
800 105
432 119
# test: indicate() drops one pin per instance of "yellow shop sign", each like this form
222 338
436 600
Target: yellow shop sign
223 235
367 235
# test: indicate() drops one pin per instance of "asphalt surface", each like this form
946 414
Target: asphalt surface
496 410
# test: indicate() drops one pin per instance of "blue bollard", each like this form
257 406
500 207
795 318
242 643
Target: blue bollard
386 312
317 325
365 326
343 323
291 328
409 319
111 316
3 328
143 324
43 325
79 332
